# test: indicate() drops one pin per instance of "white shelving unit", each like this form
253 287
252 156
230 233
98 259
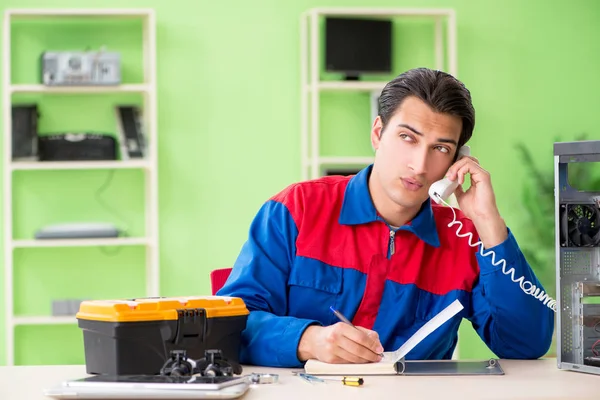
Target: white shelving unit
148 165
312 85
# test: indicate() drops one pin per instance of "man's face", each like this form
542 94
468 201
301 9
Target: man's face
415 150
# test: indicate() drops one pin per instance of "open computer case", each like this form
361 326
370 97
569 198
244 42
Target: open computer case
577 226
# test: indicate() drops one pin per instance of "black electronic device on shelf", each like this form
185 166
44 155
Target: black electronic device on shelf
24 132
77 146
355 46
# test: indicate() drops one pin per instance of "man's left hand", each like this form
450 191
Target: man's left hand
478 202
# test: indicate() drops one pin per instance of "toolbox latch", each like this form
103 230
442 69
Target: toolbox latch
191 326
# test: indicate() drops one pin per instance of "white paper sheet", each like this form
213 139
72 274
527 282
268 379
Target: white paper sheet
424 331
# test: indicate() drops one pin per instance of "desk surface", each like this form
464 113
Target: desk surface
535 379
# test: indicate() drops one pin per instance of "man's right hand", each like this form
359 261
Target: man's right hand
339 343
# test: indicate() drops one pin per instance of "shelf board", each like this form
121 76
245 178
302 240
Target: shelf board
45 320
72 12
35 88
369 86
84 242
384 12
345 160
57 165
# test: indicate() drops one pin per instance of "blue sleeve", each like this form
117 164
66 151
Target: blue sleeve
512 323
259 277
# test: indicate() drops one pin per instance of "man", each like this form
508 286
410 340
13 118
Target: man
375 247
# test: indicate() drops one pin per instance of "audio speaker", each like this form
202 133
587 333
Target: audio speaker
24 132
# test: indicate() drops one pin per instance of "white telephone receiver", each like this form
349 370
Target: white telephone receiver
439 192
443 188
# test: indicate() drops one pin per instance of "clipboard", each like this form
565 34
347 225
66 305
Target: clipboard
394 363
450 367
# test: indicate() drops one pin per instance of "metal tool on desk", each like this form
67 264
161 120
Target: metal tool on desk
346 380
257 378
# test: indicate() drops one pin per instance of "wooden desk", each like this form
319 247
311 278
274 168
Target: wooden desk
539 379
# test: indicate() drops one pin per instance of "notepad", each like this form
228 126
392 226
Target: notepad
392 361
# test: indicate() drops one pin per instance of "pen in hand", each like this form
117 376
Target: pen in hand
342 318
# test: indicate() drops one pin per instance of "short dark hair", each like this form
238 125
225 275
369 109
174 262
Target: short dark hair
439 90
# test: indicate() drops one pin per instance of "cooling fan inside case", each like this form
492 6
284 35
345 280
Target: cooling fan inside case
580 225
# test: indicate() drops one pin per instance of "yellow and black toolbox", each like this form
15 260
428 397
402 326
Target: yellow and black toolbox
130 337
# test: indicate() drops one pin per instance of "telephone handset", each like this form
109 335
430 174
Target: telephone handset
443 188
439 192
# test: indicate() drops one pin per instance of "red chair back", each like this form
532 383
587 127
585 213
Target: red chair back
218 277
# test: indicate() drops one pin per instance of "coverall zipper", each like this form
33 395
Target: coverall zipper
392 245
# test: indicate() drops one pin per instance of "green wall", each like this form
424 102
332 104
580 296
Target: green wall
229 125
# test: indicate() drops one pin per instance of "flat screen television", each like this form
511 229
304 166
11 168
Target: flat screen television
341 171
355 46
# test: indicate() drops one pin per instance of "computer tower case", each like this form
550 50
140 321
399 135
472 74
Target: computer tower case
577 229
